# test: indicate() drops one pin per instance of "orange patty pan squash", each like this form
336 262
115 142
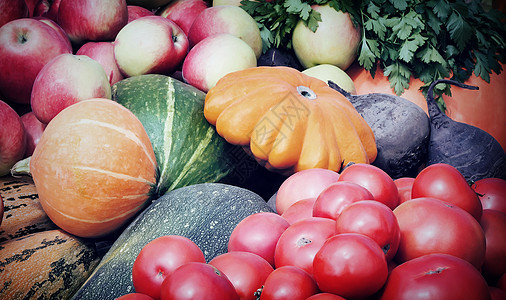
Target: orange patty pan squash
289 121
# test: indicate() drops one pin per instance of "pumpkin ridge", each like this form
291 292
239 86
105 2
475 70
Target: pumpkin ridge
196 154
127 133
114 174
115 217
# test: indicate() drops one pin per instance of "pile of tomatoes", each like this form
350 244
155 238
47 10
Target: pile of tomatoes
354 235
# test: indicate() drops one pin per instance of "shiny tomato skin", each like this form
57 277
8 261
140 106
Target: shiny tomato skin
373 219
492 193
258 233
494 226
350 265
404 186
290 283
159 258
245 270
375 180
445 182
333 199
303 184
196 280
429 225
325 296
298 245
435 276
300 210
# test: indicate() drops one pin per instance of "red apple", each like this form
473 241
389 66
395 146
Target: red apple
47 8
183 12
214 57
135 12
34 129
31 6
56 27
92 20
103 52
65 80
12 138
152 44
335 41
12 10
226 19
26 45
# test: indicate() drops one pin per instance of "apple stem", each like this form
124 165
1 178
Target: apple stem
22 167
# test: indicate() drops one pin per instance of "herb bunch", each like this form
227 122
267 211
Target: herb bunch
424 39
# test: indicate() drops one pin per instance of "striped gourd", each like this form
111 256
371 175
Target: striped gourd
187 147
23 213
50 264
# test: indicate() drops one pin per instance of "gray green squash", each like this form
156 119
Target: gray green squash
206 213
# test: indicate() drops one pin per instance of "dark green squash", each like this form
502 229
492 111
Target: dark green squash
206 213
187 148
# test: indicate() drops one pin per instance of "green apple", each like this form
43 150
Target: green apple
328 72
335 41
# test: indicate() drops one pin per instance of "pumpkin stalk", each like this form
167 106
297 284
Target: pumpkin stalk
22 167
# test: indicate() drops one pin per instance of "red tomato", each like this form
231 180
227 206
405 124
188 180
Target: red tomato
159 258
290 283
445 182
258 233
494 225
430 225
373 219
350 265
300 210
492 193
247 271
375 180
404 186
333 199
325 296
196 280
303 184
299 243
435 276
134 296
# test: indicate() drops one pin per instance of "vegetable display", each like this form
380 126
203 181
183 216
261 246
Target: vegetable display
206 213
93 168
289 121
187 148
473 151
401 129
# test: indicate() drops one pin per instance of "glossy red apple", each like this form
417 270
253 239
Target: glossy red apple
92 20
135 12
56 27
214 57
12 138
226 19
47 9
34 129
65 80
152 44
103 52
183 12
26 45
12 10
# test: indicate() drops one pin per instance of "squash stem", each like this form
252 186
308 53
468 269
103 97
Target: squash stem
22 167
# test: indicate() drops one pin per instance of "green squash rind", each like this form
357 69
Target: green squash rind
187 148
206 213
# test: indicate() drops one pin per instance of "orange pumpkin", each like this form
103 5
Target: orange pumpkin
94 167
485 108
289 121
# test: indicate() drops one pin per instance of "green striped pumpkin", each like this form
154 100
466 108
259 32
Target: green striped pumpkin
187 148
